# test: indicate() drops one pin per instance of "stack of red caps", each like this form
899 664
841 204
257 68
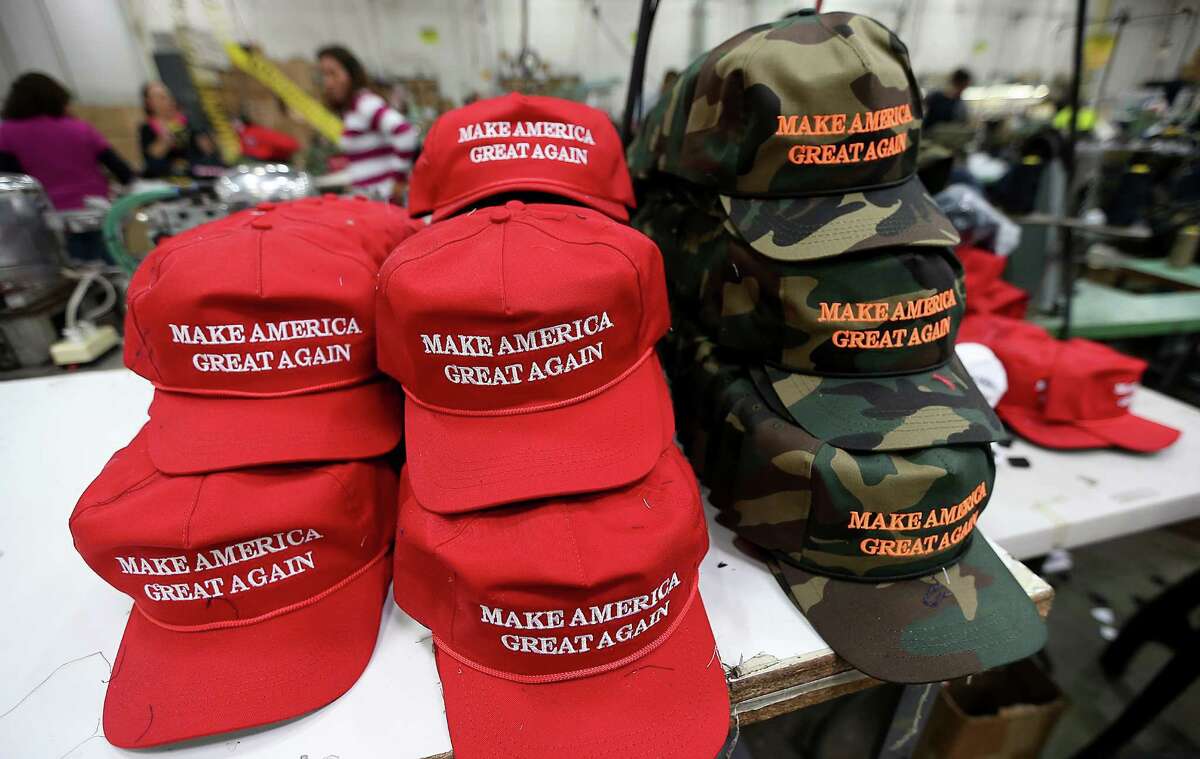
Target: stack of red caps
251 519
550 533
987 293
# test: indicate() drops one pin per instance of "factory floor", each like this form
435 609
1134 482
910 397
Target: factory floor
1119 576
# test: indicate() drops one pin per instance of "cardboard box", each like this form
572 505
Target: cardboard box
119 124
1004 713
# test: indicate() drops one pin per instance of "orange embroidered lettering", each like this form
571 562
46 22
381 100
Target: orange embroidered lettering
859 520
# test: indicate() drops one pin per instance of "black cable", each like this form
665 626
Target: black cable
1067 274
637 73
613 37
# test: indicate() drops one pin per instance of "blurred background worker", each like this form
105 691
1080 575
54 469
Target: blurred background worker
170 146
377 141
38 137
946 105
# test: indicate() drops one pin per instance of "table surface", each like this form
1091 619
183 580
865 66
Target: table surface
1188 276
1100 312
58 432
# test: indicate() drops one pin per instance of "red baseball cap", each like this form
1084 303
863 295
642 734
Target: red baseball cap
351 224
257 594
375 226
524 338
562 627
1075 395
521 142
990 329
259 340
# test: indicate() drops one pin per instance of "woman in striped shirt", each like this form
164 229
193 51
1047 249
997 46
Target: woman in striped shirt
378 142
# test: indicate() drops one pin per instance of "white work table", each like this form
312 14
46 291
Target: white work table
65 623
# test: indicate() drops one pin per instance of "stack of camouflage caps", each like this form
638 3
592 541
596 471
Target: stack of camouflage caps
815 303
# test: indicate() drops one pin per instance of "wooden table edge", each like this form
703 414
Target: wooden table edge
778 690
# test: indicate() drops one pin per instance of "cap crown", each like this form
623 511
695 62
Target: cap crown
230 547
854 515
519 307
1091 381
1029 362
559 588
520 142
883 313
373 226
350 224
257 311
811 104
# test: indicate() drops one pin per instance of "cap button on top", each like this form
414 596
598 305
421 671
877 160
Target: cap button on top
515 206
499 215
260 223
266 205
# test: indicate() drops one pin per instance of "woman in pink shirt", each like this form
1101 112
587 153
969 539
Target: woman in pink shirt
65 154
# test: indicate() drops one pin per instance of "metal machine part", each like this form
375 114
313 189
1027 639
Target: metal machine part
30 253
243 186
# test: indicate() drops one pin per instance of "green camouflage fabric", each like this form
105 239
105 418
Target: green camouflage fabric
641 155
777 310
805 229
860 537
698 387
933 408
860 347
810 129
688 225
952 623
894 311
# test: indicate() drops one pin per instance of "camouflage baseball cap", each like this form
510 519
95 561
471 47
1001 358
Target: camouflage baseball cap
699 381
859 348
885 540
809 129
689 227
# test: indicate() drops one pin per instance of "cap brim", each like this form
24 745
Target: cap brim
171 686
463 463
607 207
807 228
190 434
955 622
672 702
1132 433
1129 432
919 410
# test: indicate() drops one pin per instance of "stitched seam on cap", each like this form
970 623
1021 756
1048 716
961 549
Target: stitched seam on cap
866 69
503 281
574 545
142 483
131 309
187 527
387 279
226 394
341 485
348 256
261 234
